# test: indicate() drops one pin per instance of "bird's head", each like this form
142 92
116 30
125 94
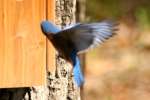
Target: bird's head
49 28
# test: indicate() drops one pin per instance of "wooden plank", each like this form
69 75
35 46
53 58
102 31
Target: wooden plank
50 49
22 44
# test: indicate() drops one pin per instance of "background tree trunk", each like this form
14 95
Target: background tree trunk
60 83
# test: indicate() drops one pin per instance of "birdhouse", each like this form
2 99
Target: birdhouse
24 52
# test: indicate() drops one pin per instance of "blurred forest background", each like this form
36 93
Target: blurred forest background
120 68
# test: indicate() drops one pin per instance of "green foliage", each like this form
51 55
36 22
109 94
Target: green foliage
117 9
99 9
143 17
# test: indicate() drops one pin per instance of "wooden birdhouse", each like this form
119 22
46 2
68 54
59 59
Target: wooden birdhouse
24 50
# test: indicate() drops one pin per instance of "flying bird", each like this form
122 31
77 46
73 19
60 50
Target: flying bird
76 39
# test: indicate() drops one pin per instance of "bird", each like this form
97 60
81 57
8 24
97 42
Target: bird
76 39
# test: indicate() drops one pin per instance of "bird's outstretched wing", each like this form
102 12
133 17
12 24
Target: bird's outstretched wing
85 36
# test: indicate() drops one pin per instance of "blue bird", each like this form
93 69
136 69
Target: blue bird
71 41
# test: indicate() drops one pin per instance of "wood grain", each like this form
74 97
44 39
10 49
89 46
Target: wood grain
22 44
51 60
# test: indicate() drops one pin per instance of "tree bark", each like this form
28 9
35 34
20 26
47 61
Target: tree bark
60 83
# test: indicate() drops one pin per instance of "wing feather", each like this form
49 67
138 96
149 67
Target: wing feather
86 36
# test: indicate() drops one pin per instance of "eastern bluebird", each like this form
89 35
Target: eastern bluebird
71 41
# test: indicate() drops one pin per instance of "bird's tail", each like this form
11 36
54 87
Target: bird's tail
78 75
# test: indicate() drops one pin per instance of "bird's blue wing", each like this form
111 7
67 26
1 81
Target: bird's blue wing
71 26
85 36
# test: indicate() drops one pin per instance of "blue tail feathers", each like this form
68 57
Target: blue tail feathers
78 75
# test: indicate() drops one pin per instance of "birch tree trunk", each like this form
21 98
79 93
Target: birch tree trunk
60 83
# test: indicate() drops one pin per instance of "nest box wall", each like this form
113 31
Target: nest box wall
22 45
